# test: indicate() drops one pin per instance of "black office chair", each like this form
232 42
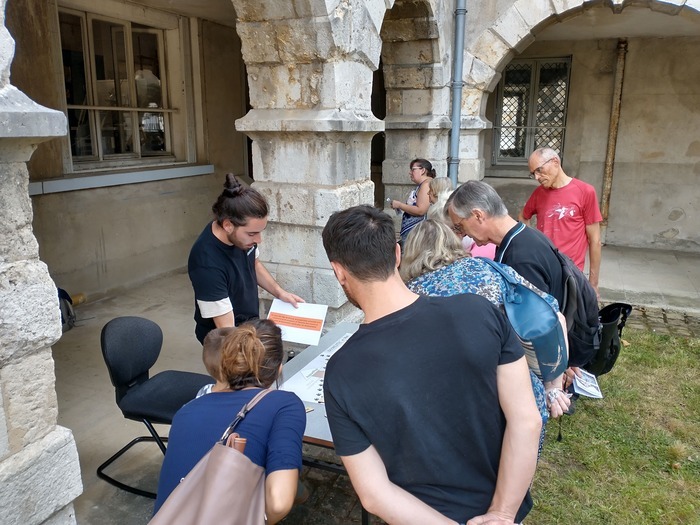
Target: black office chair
130 347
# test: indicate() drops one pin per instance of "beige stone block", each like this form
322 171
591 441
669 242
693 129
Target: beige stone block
4 438
480 75
668 7
293 243
30 398
533 12
286 86
40 480
513 29
318 158
410 29
29 312
258 42
263 10
562 6
345 313
326 289
292 202
304 40
418 52
490 49
296 279
417 102
470 169
473 101
17 242
347 86
355 33
469 144
394 102
330 200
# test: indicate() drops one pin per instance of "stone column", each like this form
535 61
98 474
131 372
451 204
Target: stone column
39 468
310 75
418 97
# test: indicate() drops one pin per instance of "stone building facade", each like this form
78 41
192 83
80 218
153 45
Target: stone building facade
322 104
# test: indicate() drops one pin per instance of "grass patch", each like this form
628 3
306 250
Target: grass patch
633 457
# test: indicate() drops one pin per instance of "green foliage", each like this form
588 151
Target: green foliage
634 456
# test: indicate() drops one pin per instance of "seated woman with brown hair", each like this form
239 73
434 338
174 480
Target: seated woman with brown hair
434 263
251 359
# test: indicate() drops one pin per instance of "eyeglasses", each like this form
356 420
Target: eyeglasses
538 171
457 228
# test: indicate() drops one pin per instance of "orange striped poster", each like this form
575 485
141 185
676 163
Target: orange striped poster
299 325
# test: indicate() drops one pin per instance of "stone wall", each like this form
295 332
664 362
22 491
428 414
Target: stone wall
39 469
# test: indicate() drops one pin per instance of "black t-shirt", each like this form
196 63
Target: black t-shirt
529 252
219 271
420 385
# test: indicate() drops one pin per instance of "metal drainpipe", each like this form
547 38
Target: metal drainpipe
612 134
457 85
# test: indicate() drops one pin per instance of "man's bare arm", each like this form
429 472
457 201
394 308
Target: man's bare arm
520 443
521 218
268 283
381 497
222 321
594 253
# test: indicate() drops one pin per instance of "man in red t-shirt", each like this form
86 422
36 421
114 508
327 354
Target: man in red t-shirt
567 211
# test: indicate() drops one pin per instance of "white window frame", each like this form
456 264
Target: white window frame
531 125
173 35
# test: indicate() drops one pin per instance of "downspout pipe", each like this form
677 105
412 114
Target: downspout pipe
457 85
612 134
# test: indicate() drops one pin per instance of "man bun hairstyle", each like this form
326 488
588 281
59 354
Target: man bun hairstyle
252 355
426 165
238 203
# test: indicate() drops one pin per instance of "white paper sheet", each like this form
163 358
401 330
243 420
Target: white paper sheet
587 385
299 325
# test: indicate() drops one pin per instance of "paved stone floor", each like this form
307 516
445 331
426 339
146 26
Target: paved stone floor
665 321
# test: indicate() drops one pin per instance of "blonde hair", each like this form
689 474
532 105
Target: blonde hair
429 246
442 188
252 355
211 350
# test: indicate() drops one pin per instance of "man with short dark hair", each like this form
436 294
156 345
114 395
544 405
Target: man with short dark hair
567 211
429 402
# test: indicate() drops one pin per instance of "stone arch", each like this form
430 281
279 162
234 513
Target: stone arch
416 78
511 33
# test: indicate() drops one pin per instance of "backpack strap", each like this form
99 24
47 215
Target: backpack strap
242 414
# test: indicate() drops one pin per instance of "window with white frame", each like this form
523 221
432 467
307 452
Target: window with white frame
116 90
531 109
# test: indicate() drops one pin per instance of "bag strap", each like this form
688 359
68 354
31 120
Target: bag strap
242 414
497 266
503 251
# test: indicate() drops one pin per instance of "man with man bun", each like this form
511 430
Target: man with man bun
223 264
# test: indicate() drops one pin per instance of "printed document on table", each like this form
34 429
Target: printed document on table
308 382
299 325
587 385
